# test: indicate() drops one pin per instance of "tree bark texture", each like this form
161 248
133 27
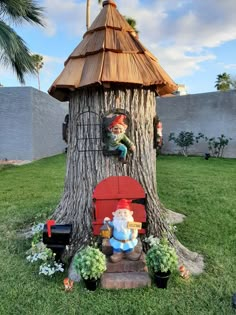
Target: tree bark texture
87 165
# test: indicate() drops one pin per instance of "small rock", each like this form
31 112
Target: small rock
26 233
72 273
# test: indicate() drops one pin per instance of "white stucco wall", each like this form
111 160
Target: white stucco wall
30 124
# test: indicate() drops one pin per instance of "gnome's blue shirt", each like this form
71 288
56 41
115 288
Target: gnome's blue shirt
119 236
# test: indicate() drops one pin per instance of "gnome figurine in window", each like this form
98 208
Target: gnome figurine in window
117 140
159 134
123 239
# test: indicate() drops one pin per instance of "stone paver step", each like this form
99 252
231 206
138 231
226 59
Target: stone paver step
127 265
125 280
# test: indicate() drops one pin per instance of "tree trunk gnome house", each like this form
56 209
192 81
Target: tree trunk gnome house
111 82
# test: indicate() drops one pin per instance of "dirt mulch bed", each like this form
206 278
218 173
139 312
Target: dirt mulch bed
14 162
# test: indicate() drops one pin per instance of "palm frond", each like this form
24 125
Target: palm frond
20 10
132 22
14 52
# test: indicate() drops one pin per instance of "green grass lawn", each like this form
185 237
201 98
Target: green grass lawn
205 191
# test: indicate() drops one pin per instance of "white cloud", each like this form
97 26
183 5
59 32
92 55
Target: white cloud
52 59
188 23
50 27
64 16
52 67
182 34
4 72
177 63
68 16
231 66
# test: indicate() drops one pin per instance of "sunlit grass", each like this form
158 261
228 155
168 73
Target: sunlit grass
205 191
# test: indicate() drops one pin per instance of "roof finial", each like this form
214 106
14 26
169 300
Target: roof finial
111 2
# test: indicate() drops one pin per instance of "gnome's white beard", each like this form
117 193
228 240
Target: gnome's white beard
121 224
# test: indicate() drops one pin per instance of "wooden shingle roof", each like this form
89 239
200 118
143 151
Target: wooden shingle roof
111 53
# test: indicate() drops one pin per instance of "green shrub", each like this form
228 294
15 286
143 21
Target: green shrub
161 257
184 140
90 263
217 145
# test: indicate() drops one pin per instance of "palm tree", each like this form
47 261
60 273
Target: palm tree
88 12
233 83
132 22
13 50
38 64
223 82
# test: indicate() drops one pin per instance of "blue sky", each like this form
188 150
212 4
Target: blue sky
194 40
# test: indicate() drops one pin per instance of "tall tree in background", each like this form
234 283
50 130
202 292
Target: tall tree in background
233 82
88 12
132 22
223 82
13 50
38 64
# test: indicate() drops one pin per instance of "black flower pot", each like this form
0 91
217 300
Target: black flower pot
161 279
91 284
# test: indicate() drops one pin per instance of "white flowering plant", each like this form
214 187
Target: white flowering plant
152 240
40 253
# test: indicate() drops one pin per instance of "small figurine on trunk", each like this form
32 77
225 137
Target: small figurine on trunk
117 140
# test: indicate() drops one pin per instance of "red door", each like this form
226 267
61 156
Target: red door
109 191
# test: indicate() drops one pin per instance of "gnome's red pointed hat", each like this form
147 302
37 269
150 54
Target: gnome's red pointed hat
119 120
123 204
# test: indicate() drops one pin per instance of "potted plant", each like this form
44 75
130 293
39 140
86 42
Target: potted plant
161 260
90 263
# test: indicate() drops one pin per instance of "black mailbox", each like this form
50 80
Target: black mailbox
60 237
60 234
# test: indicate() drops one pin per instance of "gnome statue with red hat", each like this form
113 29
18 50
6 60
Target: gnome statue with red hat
123 239
117 140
